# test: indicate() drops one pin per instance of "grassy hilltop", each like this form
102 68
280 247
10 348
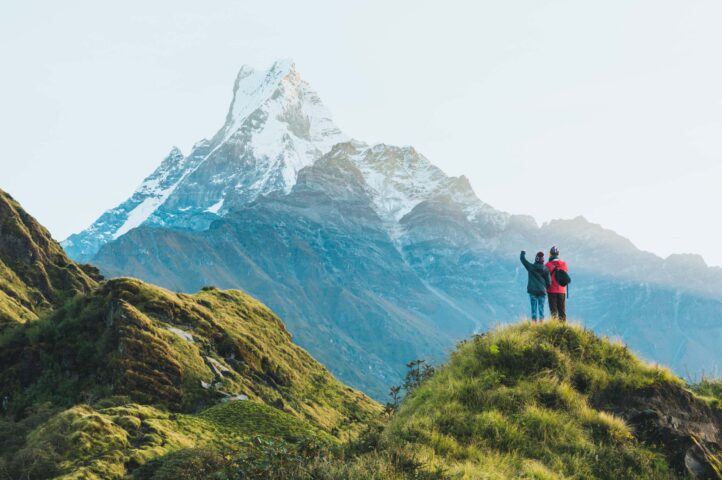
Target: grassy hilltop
556 401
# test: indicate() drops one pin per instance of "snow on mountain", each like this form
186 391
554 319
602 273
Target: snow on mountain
400 178
276 125
154 190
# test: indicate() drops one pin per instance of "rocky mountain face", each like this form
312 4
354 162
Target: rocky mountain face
347 259
323 258
354 243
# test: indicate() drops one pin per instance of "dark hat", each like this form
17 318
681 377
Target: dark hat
539 257
554 250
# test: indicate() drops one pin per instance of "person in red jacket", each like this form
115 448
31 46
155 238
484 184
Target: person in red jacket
556 293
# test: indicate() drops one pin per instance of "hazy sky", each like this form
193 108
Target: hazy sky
617 102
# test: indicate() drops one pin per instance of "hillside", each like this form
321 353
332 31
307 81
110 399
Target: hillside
129 380
35 274
122 372
556 401
184 352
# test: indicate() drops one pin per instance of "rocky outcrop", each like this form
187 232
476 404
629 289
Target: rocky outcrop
685 427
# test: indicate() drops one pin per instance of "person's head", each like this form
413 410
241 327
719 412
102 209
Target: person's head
554 251
539 257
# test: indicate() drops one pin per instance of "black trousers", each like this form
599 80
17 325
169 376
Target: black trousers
558 305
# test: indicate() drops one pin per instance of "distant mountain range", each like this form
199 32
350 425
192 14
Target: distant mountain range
373 255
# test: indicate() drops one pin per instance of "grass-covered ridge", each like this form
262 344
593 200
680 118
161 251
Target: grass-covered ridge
552 401
183 352
35 274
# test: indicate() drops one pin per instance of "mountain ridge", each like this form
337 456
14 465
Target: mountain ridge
36 274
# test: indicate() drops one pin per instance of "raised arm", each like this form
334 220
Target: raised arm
524 261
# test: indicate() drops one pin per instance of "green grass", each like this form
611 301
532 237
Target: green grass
710 390
118 341
107 443
522 402
256 418
35 274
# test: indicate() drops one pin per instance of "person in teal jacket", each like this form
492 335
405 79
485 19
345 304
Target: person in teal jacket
536 287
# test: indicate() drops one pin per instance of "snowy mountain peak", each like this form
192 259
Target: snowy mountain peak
252 88
276 125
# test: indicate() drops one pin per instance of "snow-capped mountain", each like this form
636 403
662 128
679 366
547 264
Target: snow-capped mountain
276 125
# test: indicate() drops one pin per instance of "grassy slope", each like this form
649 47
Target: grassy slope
35 274
519 403
115 347
106 442
98 378
127 338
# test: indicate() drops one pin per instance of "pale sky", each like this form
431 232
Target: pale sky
619 103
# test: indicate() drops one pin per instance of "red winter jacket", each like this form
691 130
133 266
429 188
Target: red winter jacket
561 265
